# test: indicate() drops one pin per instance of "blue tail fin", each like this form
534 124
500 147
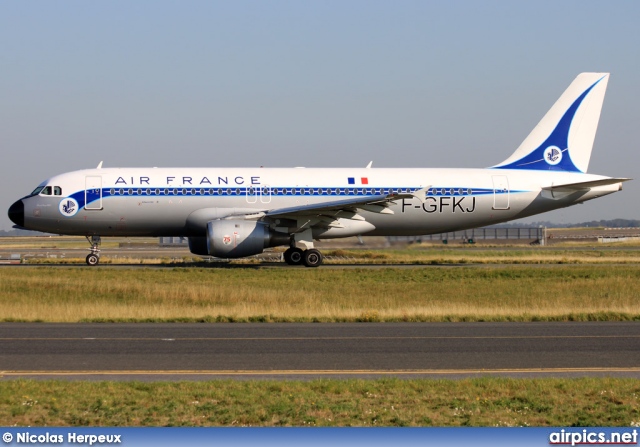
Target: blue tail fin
563 139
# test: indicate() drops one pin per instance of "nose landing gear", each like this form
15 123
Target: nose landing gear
93 258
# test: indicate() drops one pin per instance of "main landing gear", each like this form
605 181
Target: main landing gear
297 256
93 258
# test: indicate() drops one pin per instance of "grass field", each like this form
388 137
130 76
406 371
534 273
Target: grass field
360 403
575 282
503 293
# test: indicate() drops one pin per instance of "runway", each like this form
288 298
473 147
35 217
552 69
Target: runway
305 351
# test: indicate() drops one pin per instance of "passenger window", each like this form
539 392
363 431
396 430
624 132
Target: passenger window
46 191
57 191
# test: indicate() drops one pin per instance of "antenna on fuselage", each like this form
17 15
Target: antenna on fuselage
369 165
99 166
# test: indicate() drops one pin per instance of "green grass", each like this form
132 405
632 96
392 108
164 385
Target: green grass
360 403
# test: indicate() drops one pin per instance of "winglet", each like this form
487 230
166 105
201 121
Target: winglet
420 194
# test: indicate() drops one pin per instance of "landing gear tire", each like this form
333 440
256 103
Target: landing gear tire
293 256
93 258
312 258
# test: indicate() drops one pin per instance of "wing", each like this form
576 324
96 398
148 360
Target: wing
375 203
327 214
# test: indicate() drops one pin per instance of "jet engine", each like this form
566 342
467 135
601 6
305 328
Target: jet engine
236 238
198 246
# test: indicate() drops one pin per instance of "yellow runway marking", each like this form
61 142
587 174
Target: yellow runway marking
489 337
304 372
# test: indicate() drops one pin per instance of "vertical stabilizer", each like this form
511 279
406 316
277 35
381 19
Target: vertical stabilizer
563 139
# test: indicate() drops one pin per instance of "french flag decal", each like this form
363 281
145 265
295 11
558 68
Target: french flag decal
363 180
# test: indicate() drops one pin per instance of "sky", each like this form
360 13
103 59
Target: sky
329 83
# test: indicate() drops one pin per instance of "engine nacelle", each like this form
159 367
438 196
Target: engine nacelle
198 246
236 238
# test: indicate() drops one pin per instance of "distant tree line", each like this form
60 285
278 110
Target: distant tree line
611 223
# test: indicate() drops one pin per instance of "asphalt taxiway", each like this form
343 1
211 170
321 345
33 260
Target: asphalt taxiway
304 351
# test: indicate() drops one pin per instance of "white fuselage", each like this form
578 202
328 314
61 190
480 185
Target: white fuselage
170 201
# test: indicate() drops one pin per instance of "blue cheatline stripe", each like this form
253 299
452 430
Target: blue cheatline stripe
152 192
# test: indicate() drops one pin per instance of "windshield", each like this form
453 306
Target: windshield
37 190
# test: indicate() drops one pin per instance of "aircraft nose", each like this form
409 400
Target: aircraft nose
16 213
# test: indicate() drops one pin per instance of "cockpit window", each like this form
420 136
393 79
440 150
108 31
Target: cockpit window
47 191
37 190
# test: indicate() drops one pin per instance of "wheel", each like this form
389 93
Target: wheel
312 258
293 256
92 259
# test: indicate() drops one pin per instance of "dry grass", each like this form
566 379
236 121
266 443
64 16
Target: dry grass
510 293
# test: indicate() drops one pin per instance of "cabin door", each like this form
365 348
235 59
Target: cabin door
500 192
93 193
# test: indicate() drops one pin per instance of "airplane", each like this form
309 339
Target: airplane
238 212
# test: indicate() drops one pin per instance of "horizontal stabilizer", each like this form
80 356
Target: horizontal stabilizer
581 186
